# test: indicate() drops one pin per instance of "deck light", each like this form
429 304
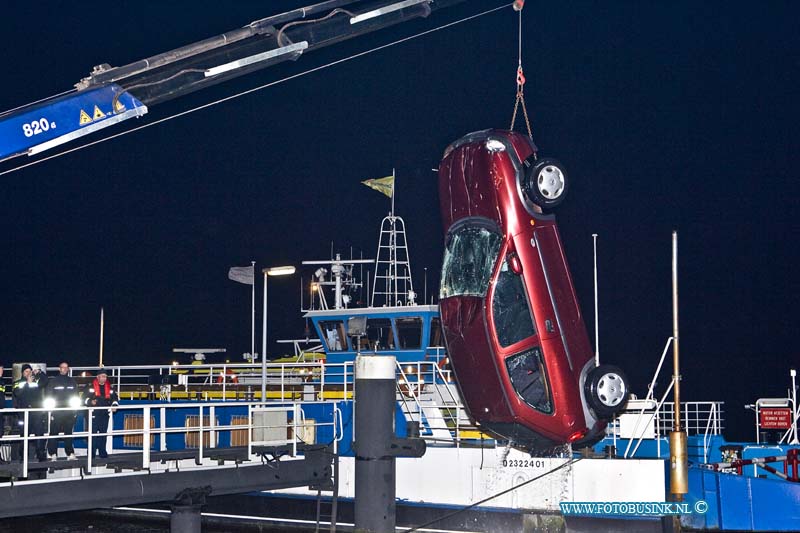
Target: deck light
280 271
272 271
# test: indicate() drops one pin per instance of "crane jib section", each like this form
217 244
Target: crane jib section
31 130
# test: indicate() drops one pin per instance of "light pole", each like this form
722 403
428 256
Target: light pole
273 271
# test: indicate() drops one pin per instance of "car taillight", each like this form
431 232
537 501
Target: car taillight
578 435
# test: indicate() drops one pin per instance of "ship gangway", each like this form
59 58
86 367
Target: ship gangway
227 448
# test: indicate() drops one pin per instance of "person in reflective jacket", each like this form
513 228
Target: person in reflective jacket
99 393
28 394
62 391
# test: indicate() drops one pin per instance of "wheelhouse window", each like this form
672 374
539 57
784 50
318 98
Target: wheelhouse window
512 316
333 335
409 332
437 337
469 257
529 379
380 334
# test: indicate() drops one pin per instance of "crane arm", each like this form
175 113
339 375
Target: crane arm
110 95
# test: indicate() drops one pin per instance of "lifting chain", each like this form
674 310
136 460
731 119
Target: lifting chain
518 5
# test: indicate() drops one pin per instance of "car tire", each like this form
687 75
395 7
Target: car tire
607 390
546 183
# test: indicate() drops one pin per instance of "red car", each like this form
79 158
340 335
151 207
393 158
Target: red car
513 328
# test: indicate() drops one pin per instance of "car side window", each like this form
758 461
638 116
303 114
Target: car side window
529 379
512 316
469 259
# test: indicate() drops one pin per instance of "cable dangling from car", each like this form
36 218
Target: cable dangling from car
518 5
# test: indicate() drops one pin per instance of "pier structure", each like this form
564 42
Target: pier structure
228 448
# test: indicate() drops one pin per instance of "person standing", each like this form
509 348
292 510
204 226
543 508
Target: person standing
62 391
5 454
99 393
2 402
28 394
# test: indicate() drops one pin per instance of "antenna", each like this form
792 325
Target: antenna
425 297
102 328
596 316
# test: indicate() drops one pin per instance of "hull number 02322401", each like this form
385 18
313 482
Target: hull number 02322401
37 126
523 463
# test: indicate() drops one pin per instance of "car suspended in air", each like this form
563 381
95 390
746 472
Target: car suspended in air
514 332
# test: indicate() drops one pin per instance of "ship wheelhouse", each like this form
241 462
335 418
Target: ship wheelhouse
409 333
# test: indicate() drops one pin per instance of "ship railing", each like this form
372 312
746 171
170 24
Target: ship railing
242 381
698 418
198 428
428 396
653 418
426 389
224 381
643 422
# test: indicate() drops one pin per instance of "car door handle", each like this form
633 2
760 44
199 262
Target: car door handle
548 325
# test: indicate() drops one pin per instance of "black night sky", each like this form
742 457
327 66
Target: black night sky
668 115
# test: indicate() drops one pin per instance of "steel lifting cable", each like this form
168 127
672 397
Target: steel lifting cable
518 5
259 88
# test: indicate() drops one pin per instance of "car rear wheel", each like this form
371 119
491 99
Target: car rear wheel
546 183
607 390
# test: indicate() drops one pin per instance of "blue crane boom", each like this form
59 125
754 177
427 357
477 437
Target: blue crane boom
110 95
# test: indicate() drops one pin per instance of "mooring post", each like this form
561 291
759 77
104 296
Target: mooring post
185 516
376 445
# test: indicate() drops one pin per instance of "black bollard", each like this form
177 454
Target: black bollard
185 516
376 445
185 519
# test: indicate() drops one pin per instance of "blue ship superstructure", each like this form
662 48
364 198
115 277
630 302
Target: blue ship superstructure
310 401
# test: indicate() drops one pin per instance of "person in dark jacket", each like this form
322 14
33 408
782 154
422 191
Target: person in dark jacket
28 393
62 391
99 393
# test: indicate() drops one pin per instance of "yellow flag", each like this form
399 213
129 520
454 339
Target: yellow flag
383 185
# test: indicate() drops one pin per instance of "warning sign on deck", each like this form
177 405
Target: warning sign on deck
98 114
85 118
775 418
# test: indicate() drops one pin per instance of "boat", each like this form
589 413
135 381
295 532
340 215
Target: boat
468 479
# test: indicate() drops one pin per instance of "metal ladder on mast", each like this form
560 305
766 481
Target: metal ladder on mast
392 279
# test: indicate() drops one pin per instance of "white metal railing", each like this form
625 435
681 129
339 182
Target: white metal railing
286 431
698 418
650 397
224 381
426 389
427 395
